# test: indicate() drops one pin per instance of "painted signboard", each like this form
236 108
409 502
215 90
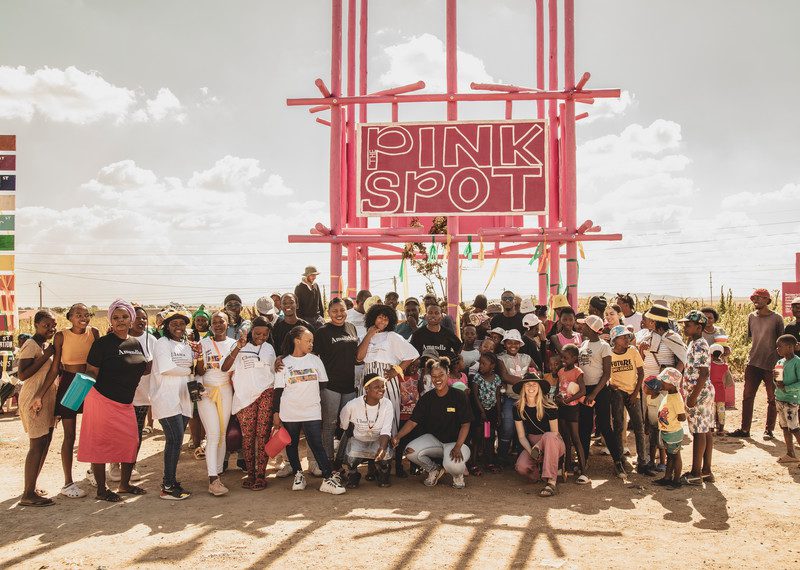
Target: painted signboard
464 168
789 290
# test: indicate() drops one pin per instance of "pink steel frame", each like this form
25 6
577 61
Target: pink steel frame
558 228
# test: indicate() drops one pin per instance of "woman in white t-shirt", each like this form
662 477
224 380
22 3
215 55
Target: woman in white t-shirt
297 406
251 360
386 353
214 407
173 367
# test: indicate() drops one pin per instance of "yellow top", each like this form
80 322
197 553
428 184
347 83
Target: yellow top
76 346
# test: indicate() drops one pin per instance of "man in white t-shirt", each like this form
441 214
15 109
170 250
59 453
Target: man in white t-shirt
356 314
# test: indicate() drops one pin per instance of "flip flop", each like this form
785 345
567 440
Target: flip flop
548 491
259 485
41 492
788 459
40 502
110 497
132 490
200 452
247 483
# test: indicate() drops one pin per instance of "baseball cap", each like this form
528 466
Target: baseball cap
618 331
412 301
694 316
653 383
593 322
715 348
527 306
761 293
530 320
494 308
512 334
430 353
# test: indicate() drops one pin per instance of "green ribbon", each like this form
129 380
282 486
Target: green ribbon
537 253
432 251
468 251
402 269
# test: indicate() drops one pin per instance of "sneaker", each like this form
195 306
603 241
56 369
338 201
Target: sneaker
332 486
626 452
739 433
217 488
285 470
353 479
240 463
90 478
72 491
646 469
661 467
768 435
174 493
114 473
458 482
663 482
314 468
434 476
674 484
299 481
135 475
605 451
619 469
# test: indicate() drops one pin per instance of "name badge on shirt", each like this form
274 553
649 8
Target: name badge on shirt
452 410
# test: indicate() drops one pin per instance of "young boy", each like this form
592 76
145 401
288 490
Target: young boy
787 394
671 413
720 379
410 389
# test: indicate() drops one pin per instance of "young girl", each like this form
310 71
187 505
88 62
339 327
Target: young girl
571 392
410 389
201 321
456 373
567 335
486 397
252 359
297 406
35 410
720 379
71 349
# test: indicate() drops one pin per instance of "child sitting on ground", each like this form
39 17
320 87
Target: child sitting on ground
486 398
571 392
720 378
787 394
671 414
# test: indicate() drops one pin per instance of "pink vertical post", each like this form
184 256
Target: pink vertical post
553 205
453 286
336 145
797 267
569 182
364 266
351 145
540 111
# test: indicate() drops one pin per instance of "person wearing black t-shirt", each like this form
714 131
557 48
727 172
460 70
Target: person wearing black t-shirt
336 344
536 422
443 416
290 320
109 433
793 328
510 318
434 336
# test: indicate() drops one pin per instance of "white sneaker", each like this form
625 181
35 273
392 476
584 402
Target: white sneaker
114 472
299 481
314 468
135 475
285 470
458 482
332 486
434 476
626 452
605 451
90 478
72 491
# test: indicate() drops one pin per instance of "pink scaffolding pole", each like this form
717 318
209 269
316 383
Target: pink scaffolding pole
568 158
336 145
453 273
543 292
553 194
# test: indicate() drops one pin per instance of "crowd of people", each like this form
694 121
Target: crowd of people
387 389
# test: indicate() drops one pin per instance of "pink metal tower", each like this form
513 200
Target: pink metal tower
506 235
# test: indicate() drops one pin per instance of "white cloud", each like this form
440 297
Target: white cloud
424 58
74 96
788 193
606 108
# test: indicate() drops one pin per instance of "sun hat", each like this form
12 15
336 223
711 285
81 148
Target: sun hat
530 320
477 319
663 303
761 293
512 334
618 331
559 302
176 313
694 316
670 376
544 385
795 301
716 348
310 270
498 330
593 322
494 308
201 312
372 301
657 313
265 307
527 306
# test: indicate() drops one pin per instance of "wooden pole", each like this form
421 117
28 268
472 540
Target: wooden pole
540 111
553 205
335 194
568 157
453 285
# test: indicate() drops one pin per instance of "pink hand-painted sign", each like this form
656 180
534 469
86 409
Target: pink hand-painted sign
790 290
462 168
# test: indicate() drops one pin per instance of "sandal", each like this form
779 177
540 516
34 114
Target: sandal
691 480
109 496
259 485
72 491
708 477
494 468
476 471
41 492
782 459
147 430
132 490
247 482
200 452
548 491
38 502
582 480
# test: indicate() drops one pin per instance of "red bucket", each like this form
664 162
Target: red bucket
279 440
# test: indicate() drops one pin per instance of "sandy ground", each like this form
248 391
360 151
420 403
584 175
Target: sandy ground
749 517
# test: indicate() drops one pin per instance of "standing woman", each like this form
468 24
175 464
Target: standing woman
201 324
173 366
252 358
214 407
386 353
109 433
37 412
71 348
200 329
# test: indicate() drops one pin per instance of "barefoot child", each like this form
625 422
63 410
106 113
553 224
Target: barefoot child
720 378
787 394
671 413
571 391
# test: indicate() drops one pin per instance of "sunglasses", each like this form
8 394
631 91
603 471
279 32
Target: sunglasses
507 298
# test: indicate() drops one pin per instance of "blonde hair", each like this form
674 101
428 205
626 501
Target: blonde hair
540 404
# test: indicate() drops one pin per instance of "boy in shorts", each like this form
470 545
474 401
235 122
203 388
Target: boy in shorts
671 414
787 394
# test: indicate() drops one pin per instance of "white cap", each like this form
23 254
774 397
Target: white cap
593 322
530 320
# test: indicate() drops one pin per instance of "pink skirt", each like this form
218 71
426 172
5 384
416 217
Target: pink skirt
109 433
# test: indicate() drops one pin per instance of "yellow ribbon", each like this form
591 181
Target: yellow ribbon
580 248
215 395
494 271
481 252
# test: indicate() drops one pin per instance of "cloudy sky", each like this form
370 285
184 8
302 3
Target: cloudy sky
157 159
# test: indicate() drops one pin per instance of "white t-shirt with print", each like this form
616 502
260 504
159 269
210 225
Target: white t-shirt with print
591 354
142 395
389 348
300 379
357 319
214 353
362 416
252 374
172 369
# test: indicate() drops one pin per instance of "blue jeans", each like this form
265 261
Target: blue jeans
173 439
506 426
313 431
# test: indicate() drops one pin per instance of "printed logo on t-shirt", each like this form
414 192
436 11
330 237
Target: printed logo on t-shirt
127 352
297 375
621 365
585 356
344 339
451 410
663 416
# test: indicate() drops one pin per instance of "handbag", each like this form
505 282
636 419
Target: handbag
233 436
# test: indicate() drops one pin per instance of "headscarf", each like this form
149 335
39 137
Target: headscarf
201 312
121 304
